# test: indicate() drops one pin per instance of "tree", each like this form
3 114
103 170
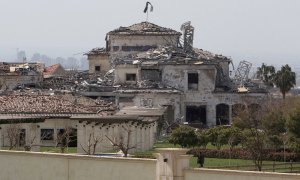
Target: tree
92 143
233 136
63 138
123 142
293 125
266 74
254 137
254 141
274 124
185 136
202 138
285 79
13 132
217 136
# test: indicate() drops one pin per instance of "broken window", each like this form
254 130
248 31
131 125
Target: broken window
146 102
153 75
97 68
193 81
47 134
130 77
222 114
115 48
237 109
196 114
137 48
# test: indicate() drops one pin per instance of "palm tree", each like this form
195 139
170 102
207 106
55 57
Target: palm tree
285 79
266 74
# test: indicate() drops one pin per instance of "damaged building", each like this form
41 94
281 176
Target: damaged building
13 75
157 67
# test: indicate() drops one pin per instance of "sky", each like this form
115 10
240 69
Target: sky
253 30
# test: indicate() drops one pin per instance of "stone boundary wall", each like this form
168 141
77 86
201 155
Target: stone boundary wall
217 174
48 166
171 164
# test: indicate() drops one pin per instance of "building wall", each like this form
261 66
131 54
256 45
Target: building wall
33 131
142 136
178 76
122 70
8 81
203 174
118 42
37 166
208 99
160 99
101 60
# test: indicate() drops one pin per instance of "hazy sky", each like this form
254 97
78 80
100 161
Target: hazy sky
253 30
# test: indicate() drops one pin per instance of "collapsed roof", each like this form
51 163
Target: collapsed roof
169 53
144 28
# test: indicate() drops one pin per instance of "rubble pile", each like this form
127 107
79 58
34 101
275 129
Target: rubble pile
70 81
106 80
167 53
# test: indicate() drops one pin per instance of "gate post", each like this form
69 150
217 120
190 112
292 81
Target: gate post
171 162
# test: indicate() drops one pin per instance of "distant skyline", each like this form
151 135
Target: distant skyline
253 30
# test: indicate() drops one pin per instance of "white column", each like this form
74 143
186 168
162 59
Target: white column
151 134
148 137
139 138
143 138
171 163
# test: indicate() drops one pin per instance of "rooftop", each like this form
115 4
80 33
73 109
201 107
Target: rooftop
51 69
51 104
144 28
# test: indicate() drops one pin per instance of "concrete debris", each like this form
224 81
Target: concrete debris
170 53
242 89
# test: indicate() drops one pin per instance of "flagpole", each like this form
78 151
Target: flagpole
147 15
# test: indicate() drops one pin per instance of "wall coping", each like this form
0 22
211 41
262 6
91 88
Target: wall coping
77 156
183 150
245 173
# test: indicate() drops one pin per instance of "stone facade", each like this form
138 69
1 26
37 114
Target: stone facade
198 97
